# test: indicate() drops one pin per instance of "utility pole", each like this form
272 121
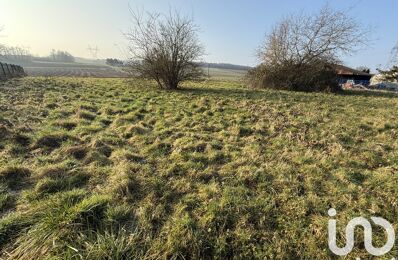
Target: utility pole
94 51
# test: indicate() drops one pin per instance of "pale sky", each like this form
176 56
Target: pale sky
231 30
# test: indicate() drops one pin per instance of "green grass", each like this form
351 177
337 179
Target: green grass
115 168
225 74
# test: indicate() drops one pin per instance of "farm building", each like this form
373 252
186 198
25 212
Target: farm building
347 74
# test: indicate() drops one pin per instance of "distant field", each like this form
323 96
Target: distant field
39 69
49 69
97 72
118 169
225 74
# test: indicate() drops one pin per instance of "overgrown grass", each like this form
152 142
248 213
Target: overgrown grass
114 168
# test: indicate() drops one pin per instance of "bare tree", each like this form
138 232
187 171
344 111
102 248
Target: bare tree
165 48
14 53
301 50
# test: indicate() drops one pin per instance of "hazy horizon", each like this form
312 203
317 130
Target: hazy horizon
230 30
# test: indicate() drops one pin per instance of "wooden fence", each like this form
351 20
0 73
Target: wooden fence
8 71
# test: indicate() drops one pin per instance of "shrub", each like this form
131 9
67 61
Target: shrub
313 77
165 48
301 51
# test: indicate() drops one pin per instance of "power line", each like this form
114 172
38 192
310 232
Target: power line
94 51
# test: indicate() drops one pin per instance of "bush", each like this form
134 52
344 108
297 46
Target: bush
165 48
301 51
309 77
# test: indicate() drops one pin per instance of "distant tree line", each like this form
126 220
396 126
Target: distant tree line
223 66
10 53
57 56
114 62
61 56
19 55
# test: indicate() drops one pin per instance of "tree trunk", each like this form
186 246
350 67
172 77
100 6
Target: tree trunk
172 86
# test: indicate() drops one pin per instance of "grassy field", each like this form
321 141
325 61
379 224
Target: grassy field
99 70
225 74
74 69
114 168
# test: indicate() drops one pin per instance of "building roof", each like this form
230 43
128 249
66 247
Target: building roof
343 70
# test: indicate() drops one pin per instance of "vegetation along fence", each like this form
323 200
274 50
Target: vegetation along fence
8 71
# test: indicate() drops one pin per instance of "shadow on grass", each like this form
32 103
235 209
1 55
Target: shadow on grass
370 93
269 94
225 92
281 94
254 94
